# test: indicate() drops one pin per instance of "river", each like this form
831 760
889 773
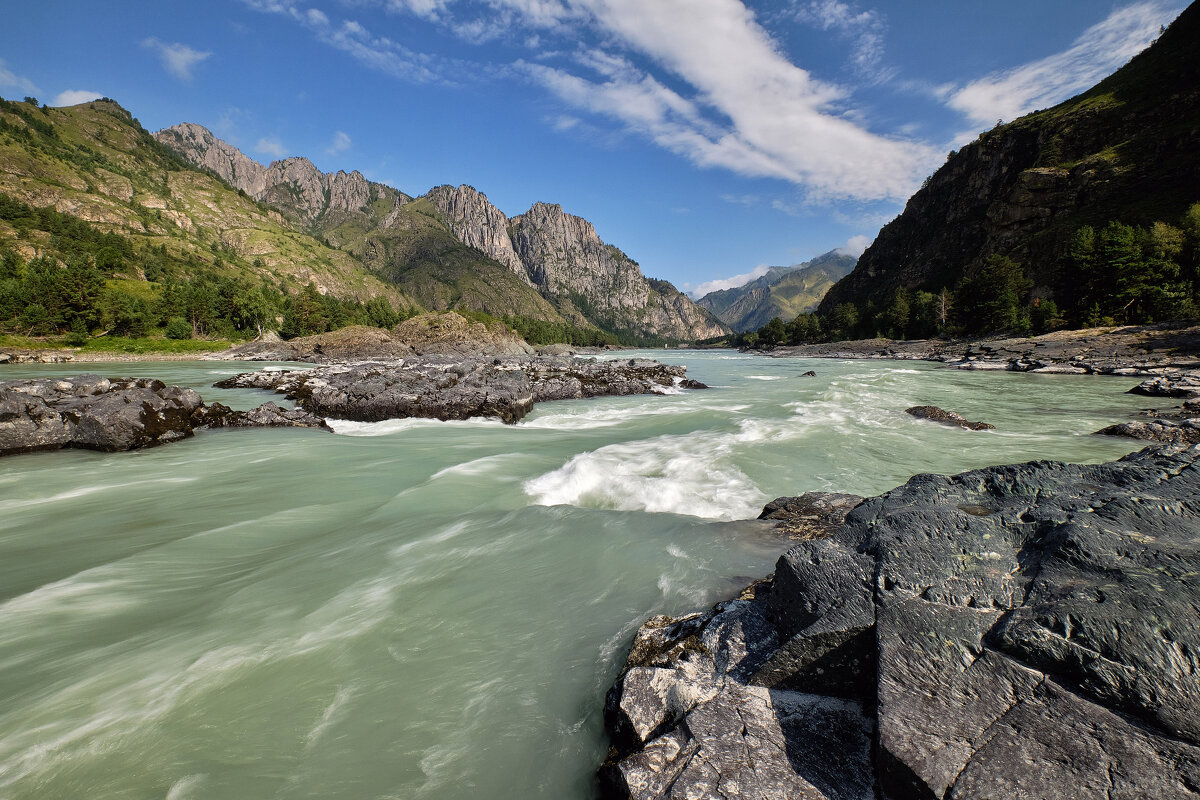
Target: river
418 609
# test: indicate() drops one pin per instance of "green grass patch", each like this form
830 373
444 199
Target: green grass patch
120 344
32 343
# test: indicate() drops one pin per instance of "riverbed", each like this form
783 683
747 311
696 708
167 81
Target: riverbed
421 609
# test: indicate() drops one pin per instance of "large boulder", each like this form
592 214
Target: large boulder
1018 631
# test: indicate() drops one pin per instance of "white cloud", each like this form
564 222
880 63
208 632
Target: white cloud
351 37
863 29
10 79
341 141
854 246
752 112
270 146
729 283
720 92
73 97
178 59
1098 52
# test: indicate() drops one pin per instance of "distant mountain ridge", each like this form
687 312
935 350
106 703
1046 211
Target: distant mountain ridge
783 292
452 247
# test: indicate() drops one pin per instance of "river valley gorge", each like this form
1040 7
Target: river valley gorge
426 609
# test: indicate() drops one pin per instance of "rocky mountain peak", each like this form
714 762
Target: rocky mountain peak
477 223
201 147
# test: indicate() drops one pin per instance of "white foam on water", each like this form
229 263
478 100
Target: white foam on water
444 535
329 716
690 475
84 491
70 597
387 427
478 466
182 789
764 377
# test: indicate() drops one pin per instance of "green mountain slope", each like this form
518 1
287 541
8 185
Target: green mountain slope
783 292
95 163
1127 150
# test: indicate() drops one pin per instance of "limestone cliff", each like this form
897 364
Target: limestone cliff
561 255
1128 150
294 185
477 223
567 260
202 148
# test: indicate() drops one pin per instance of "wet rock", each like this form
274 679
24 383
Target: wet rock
268 415
809 374
935 414
92 412
1018 631
505 388
810 515
112 415
1184 385
1157 430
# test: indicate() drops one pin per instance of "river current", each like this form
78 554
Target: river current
419 609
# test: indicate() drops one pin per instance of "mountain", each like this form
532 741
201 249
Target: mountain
453 248
91 170
399 239
1127 150
783 292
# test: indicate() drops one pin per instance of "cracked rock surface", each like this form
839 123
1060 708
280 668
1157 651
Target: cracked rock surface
95 413
1030 630
460 388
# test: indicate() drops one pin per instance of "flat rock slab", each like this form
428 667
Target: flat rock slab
97 413
1020 631
505 388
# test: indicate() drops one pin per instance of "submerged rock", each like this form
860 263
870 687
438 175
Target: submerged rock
1018 631
935 414
460 389
111 415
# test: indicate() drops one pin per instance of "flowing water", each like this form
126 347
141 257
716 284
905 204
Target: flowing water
418 609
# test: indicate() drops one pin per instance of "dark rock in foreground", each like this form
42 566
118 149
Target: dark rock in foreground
811 515
460 389
96 413
1025 631
935 414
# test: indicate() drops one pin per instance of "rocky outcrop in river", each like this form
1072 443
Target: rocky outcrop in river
459 389
935 414
95 413
1017 631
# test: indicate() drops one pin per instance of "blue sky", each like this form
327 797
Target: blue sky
706 138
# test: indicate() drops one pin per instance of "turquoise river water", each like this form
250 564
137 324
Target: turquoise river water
418 609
